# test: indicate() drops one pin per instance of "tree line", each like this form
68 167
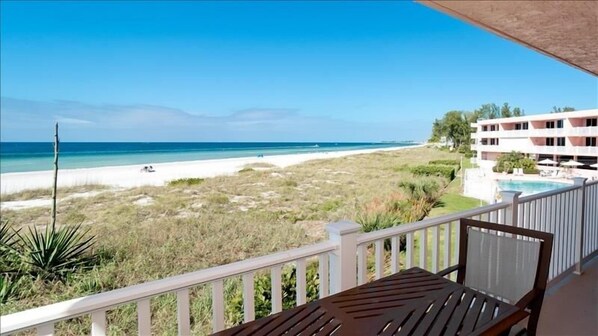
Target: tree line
455 125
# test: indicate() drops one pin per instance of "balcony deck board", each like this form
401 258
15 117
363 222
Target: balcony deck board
571 307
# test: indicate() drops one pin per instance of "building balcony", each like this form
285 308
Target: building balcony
570 306
531 149
539 133
565 150
583 131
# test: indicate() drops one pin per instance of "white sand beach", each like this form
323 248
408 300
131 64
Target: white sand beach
131 176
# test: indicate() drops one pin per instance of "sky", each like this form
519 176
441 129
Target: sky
259 71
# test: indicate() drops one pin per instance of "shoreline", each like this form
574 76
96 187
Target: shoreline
130 176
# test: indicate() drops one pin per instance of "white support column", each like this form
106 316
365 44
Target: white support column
511 197
579 222
343 266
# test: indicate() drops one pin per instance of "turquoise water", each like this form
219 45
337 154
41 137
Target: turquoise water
530 187
36 156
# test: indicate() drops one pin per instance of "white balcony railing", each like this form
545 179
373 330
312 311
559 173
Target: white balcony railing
539 133
558 150
570 213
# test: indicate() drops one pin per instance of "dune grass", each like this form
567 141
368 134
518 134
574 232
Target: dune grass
188 226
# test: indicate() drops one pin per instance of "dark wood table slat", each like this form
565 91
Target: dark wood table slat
411 302
447 312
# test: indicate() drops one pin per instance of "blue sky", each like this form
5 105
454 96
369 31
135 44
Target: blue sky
259 71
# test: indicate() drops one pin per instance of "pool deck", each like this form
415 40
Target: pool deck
481 183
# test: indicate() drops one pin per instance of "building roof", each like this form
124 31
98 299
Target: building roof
564 30
546 116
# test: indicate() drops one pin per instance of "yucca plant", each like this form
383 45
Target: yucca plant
9 258
56 252
8 288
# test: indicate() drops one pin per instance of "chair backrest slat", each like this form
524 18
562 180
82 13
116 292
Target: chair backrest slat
502 266
508 262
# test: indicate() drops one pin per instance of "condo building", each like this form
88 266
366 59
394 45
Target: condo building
557 136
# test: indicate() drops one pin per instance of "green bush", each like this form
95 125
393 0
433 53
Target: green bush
263 293
9 246
246 170
435 170
445 162
377 221
506 162
185 182
56 252
9 288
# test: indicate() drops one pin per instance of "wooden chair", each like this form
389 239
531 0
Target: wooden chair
507 262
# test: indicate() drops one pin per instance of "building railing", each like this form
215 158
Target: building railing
537 149
570 213
538 132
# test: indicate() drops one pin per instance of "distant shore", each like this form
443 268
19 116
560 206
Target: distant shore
132 176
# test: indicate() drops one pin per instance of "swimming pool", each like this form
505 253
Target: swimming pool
530 187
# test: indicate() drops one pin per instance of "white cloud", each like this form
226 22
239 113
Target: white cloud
63 120
25 120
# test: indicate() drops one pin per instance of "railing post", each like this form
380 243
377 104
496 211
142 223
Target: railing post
511 197
579 222
343 266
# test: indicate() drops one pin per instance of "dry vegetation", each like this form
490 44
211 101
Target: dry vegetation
153 232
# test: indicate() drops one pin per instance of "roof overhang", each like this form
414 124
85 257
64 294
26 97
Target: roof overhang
564 30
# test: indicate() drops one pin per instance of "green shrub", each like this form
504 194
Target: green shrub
184 182
9 258
377 221
8 288
56 252
445 162
506 162
263 293
422 195
435 170
246 170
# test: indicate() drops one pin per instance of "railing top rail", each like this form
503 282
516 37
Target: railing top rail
67 309
547 193
589 183
426 223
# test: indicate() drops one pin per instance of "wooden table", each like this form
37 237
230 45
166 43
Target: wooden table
411 302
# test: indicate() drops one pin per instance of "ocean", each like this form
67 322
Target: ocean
37 156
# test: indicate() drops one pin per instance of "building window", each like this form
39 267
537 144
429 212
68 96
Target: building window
492 142
591 142
559 123
517 126
484 128
492 127
549 141
521 126
550 124
484 142
591 122
560 142
525 125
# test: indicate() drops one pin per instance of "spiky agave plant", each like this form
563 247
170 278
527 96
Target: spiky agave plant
8 288
8 248
55 252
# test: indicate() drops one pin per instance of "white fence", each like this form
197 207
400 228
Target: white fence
570 213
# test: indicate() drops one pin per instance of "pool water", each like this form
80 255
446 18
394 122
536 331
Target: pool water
530 187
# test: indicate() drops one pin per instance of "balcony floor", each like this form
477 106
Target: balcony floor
571 307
